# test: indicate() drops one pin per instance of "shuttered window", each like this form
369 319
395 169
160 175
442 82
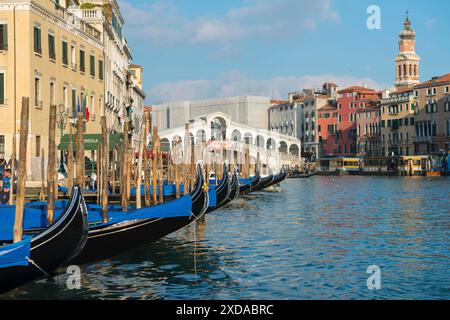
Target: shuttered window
3 37
51 47
92 65
2 88
37 40
82 61
100 69
74 103
65 53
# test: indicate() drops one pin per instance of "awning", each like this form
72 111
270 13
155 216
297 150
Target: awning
91 141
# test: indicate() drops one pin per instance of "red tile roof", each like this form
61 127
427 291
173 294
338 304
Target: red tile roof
435 82
356 89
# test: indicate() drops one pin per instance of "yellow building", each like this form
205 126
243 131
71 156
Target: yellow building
397 123
54 58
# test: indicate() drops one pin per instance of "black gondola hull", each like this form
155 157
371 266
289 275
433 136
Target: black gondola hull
53 247
105 242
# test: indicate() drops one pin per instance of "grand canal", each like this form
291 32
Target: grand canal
313 239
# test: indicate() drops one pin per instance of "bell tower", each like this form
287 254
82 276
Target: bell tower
407 61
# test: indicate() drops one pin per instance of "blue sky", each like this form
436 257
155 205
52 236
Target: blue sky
195 49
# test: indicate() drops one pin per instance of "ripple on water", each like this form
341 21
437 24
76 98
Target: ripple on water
312 240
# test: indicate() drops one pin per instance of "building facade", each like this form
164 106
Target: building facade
55 58
350 101
105 15
286 119
327 128
432 116
248 110
138 103
397 123
369 131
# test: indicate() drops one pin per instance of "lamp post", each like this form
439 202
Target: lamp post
62 123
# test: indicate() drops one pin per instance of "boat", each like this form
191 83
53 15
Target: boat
141 226
245 184
234 189
264 183
40 254
222 190
277 179
300 175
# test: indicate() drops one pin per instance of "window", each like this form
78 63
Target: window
3 37
82 61
38 146
65 53
2 144
92 65
37 93
51 47
37 40
446 104
100 69
411 121
416 93
2 88
73 57
74 103
447 130
446 89
406 122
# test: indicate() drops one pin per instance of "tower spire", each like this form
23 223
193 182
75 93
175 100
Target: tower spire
407 61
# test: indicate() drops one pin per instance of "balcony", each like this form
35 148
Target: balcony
84 27
60 11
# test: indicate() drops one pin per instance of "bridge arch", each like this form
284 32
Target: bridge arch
271 144
283 147
260 141
218 128
236 135
248 138
294 150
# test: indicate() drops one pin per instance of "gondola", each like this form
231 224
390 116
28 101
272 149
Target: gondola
302 175
143 226
40 254
264 183
234 193
277 179
222 191
245 184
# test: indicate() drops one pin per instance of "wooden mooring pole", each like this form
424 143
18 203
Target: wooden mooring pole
51 165
79 149
70 160
22 172
105 169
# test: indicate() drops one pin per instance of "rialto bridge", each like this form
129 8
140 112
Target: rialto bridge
274 149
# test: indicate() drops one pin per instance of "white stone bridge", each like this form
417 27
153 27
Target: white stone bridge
274 149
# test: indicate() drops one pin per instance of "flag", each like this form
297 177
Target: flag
88 114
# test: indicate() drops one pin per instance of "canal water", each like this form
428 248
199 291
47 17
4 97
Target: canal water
313 239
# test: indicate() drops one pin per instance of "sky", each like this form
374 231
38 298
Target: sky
201 49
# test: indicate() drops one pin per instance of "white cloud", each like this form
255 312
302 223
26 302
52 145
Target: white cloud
161 23
235 83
